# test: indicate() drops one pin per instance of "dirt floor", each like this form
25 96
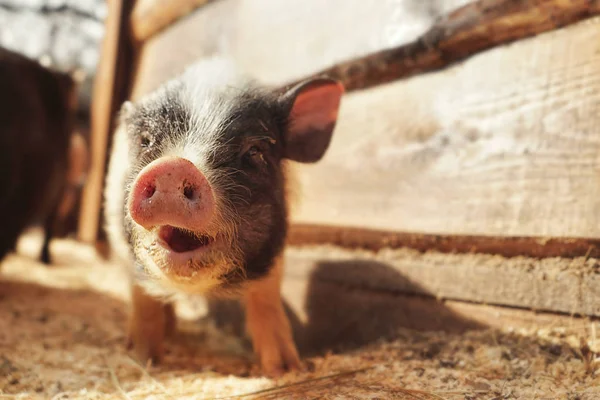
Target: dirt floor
62 337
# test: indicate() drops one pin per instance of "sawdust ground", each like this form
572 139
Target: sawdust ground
62 337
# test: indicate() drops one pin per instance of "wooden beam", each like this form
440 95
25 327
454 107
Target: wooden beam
149 17
108 85
464 32
375 240
569 286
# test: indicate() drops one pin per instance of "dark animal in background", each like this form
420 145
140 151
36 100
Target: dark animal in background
37 109
196 198
74 180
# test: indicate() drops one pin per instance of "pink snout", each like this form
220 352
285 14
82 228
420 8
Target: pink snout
171 191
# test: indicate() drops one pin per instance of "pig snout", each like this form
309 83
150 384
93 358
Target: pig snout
172 191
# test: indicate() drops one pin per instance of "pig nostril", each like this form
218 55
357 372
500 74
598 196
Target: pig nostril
148 191
188 192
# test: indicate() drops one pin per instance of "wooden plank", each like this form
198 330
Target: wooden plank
505 144
322 33
338 298
107 87
473 28
551 284
374 240
149 17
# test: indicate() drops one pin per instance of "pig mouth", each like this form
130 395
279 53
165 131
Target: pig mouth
180 240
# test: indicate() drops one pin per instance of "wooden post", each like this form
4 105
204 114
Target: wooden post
116 49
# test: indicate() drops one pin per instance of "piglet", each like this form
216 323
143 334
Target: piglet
37 108
196 198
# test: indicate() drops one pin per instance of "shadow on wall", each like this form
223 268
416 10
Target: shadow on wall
345 308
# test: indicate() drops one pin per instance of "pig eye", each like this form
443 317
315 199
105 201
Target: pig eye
145 139
252 151
254 156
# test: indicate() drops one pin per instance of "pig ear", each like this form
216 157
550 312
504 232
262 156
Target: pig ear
312 108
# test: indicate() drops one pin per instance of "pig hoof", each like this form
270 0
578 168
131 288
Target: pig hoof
45 257
276 370
145 352
278 357
145 348
273 372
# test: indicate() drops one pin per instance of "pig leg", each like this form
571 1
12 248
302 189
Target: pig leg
170 320
268 325
48 233
149 322
54 218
